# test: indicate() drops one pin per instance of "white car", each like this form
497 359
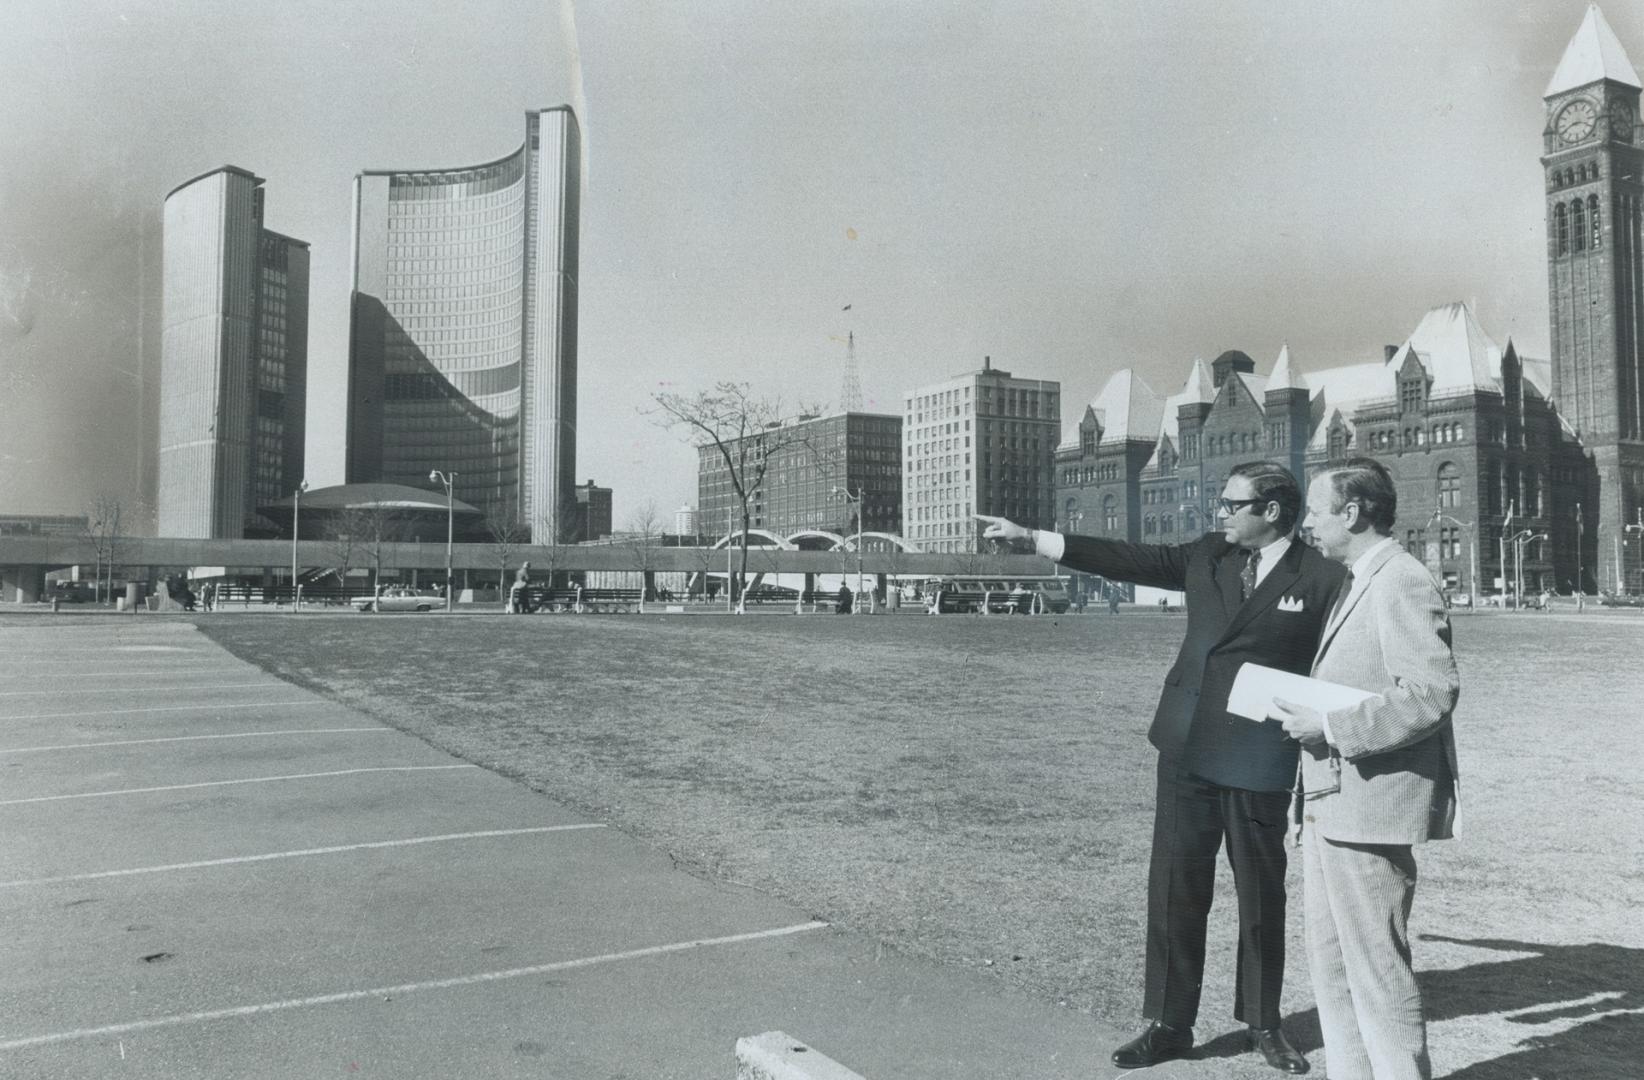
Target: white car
398 598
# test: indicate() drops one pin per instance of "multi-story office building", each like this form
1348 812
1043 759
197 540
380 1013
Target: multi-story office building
978 443
234 360
463 347
815 467
593 512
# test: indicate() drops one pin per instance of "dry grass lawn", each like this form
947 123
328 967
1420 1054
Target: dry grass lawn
979 790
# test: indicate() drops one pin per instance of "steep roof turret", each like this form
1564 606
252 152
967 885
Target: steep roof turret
1594 53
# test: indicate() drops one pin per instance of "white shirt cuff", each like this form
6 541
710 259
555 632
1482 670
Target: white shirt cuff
1049 544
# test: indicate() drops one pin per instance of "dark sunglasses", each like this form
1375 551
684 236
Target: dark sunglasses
1233 506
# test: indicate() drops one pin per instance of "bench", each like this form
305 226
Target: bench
580 599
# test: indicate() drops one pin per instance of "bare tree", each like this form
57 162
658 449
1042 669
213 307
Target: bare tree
557 535
508 534
102 531
645 525
342 546
369 528
745 432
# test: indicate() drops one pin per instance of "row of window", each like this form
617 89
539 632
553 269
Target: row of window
1571 231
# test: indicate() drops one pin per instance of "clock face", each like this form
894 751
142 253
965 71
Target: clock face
1576 121
1621 122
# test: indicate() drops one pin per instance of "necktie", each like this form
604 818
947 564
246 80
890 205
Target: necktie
1341 598
1247 576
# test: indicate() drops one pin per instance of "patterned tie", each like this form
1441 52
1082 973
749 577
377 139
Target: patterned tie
1248 575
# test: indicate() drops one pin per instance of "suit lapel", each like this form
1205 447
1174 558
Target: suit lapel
1361 583
1274 585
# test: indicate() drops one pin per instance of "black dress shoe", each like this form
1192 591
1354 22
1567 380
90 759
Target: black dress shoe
1158 1043
1277 1050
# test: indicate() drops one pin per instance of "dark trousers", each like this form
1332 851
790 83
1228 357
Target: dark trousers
1191 819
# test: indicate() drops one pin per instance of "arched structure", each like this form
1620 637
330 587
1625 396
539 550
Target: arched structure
775 540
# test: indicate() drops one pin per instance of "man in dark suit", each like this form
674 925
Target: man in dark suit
1254 594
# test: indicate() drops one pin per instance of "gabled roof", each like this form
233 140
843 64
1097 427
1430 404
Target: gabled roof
1344 388
1285 375
1127 407
1594 53
1256 385
1458 355
1538 373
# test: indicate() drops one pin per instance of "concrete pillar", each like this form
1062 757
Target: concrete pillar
22 584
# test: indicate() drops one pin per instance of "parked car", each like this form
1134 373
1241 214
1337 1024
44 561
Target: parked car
397 598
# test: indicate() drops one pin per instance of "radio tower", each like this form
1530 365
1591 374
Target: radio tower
850 388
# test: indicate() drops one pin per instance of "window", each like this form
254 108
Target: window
1110 514
1561 227
1577 225
1410 394
1449 486
1592 215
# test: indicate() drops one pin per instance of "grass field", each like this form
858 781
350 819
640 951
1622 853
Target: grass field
980 791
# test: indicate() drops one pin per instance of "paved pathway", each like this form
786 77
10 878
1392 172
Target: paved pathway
207 872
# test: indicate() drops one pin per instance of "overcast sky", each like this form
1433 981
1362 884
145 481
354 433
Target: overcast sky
1068 187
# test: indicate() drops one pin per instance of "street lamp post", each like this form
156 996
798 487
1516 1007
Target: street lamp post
296 517
447 479
1517 540
1472 549
845 493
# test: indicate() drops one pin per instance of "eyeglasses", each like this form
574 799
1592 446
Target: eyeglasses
1233 506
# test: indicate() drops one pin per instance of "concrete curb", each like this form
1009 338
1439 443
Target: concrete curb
776 1055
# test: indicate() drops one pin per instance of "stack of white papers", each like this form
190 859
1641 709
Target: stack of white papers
1255 687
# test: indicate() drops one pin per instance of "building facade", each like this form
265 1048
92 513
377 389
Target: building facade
593 512
979 443
234 360
811 462
1466 427
1513 471
463 342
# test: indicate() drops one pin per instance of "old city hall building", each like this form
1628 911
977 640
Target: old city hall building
1501 460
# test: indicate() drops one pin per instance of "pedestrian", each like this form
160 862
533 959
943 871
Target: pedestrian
1376 778
1255 594
1112 600
842 600
519 598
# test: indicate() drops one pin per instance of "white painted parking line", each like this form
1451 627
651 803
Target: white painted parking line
191 668
230 783
65 691
196 738
390 991
164 708
302 853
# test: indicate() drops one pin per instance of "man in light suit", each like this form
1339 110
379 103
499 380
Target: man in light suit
1255 594
1376 778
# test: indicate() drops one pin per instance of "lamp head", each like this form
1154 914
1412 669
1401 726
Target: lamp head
433 476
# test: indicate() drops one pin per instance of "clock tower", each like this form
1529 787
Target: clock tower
1594 168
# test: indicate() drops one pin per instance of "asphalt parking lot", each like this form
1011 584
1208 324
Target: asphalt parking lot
211 873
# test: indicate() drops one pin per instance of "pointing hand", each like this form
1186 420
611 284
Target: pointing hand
999 528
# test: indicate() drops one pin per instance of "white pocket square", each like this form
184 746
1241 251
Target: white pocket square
1291 603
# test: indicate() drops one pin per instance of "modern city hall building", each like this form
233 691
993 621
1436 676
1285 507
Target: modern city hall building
463 344
234 360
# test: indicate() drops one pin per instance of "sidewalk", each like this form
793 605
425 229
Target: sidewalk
215 874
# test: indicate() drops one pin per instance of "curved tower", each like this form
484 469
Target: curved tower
462 353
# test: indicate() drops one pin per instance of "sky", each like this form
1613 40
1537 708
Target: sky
1068 188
